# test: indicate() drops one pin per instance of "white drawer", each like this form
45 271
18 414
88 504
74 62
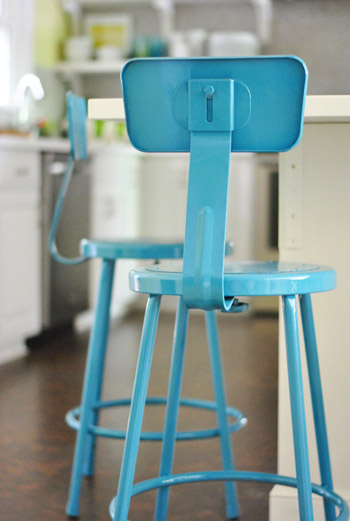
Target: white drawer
19 171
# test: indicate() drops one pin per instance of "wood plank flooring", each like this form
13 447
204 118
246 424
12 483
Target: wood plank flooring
36 446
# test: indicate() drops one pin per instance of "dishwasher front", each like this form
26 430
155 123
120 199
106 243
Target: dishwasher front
64 288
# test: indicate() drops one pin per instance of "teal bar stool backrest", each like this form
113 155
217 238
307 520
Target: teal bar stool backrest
212 107
77 115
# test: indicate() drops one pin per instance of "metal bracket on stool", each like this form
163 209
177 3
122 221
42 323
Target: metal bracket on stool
211 121
237 307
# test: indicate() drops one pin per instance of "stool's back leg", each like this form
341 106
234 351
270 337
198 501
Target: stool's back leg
102 321
137 407
96 350
232 508
317 400
297 408
173 402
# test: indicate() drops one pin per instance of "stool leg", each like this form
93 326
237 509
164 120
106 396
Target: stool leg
173 402
297 408
232 508
102 339
137 407
317 400
95 353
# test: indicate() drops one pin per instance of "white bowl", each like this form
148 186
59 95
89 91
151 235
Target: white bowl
109 53
235 43
79 48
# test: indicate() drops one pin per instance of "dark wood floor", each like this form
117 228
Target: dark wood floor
36 446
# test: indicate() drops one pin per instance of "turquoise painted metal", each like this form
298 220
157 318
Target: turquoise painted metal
85 419
241 279
73 421
212 107
76 115
198 477
264 89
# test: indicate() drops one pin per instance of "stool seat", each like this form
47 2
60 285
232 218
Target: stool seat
246 278
131 249
136 249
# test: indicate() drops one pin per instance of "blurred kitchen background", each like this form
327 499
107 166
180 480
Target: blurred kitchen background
51 46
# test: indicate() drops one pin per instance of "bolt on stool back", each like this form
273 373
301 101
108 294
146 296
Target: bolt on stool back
85 418
212 107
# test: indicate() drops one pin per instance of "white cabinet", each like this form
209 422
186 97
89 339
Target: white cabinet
163 179
114 214
20 313
314 221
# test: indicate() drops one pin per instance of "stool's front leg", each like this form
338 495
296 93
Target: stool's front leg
137 407
297 408
317 400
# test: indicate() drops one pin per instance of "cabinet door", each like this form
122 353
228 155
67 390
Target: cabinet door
19 270
115 215
164 194
20 288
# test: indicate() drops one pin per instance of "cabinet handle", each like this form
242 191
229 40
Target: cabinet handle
57 168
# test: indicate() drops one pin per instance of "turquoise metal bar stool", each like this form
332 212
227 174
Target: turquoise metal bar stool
212 107
85 418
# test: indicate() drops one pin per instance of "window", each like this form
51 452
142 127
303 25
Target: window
16 27
5 66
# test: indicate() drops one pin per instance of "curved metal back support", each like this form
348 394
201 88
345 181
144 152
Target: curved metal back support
211 107
76 115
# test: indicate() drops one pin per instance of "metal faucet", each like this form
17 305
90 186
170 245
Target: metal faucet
28 83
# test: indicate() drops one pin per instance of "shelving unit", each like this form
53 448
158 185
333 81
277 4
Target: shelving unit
90 67
166 11
109 3
75 71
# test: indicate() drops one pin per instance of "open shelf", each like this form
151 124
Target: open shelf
114 3
90 67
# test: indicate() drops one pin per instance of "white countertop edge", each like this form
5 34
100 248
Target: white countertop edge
327 109
106 109
317 109
59 145
42 144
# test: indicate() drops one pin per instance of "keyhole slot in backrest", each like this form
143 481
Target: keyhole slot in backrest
210 111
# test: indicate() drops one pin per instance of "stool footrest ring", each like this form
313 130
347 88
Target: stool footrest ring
72 419
235 475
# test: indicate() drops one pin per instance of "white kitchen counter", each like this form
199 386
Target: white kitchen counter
327 109
42 144
48 144
317 109
314 222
